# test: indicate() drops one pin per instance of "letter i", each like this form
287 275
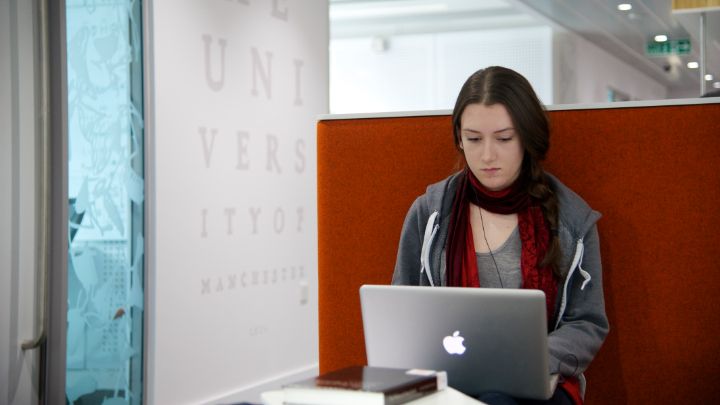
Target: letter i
203 234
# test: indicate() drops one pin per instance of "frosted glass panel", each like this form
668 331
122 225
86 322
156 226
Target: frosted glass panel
106 197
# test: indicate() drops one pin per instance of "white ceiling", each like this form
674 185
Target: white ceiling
622 33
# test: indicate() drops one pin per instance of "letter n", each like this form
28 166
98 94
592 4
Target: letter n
265 72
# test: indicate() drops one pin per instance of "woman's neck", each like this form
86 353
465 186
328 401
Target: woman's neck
490 229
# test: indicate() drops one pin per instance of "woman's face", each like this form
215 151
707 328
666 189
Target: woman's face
491 146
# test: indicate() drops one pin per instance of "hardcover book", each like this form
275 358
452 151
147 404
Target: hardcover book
365 385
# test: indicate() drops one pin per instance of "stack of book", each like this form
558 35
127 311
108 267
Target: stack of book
364 385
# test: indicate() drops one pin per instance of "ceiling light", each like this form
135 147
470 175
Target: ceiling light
716 85
708 77
661 38
624 7
693 65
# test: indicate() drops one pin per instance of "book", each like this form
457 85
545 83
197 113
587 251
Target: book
365 385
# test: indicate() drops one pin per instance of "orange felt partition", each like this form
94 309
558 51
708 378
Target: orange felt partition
654 174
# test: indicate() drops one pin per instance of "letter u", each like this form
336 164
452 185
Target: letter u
215 85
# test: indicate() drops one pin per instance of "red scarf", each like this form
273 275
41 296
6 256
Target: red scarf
462 267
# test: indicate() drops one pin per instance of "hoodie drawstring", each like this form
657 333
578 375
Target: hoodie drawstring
430 232
576 264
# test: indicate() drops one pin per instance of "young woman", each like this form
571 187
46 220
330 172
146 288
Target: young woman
504 222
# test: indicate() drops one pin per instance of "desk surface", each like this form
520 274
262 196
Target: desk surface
448 396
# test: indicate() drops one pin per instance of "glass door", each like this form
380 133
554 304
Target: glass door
105 197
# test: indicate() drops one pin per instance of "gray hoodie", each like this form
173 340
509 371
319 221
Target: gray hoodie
581 324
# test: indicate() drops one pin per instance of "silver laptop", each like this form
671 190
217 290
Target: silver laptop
486 339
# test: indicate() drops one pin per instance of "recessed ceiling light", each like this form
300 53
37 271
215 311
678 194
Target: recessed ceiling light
693 65
661 38
708 77
624 6
716 85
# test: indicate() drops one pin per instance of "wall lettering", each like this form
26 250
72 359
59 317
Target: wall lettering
254 214
249 278
279 220
243 137
235 153
254 222
261 66
272 148
298 66
207 145
203 214
229 212
300 217
280 14
214 84
263 71
300 154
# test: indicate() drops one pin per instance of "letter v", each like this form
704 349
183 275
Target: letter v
207 149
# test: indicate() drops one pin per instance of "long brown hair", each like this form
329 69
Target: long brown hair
500 85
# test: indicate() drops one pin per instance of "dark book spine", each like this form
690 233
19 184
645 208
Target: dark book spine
409 392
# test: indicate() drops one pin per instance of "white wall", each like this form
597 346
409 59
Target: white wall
18 369
687 93
237 86
426 71
583 73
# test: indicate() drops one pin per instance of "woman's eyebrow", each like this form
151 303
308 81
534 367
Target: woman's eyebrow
475 131
503 130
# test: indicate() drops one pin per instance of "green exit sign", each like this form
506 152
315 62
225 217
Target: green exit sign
671 47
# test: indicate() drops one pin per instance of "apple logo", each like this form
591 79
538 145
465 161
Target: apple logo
454 344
